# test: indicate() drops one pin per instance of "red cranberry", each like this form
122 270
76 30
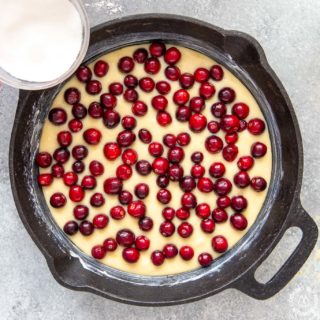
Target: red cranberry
163 87
145 223
205 185
169 140
197 104
84 74
231 138
117 213
216 72
129 122
172 56
230 152
112 150
97 200
96 168
143 167
125 237
186 253
131 95
160 165
197 171
111 118
205 259
93 87
140 55
230 123
213 144
95 110
86 228
80 212
183 213
183 138
219 244
207 225
183 113
164 196
79 111
185 229
100 221
241 110
167 228
124 172
172 73
243 125
44 159
223 202
108 100
168 213
157 49
131 255
146 84
170 250
61 155
258 149
110 244
239 203
203 210
76 193
92 136
175 154
98 252
126 64
72 96
213 126
142 243
256 126
258 183
197 157
57 170
152 65
139 108
112 185
175 172
164 118
137 209
145 135
159 102
141 190
222 186
186 80
45 179
71 228
163 181
78 166
64 138
155 149
219 215
201 75
217 170
207 90
100 68
188 200
75 125
239 221
245 163
115 88
125 197
57 116
181 97
218 109
227 95
129 157
79 152
157 257
187 183
241 179
58 200
70 178
197 122
130 81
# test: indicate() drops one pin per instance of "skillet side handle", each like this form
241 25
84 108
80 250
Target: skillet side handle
250 286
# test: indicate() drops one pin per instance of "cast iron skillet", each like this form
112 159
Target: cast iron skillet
235 269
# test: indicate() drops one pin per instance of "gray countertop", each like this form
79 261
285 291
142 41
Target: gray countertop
289 32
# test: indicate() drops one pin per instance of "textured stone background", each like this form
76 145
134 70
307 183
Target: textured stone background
289 31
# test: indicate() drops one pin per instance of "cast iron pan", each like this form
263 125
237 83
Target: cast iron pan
235 269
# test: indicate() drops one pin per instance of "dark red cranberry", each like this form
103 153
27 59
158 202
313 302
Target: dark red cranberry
227 95
131 95
243 125
241 110
256 126
75 125
57 116
163 181
115 88
152 65
155 149
258 183
84 74
70 178
201 75
183 138
129 122
172 56
164 196
175 172
218 109
175 154
186 253
95 110
57 170
203 210
45 179
185 230
145 135
78 166
245 163
197 122
142 243
159 102
137 209
207 90
213 126
205 259
129 156
172 73
197 104
72 96
168 213
143 167
112 150
80 212
100 68
197 171
43 159
125 138
88 182
164 118
100 221
96 168
58 200
169 140
97 200
86 228
124 172
145 223
222 186
258 149
146 84
112 185
219 215
197 157
163 87
79 152
230 152
108 100
157 257
214 144
76 193
187 183
205 185
98 252
217 170
219 244
141 190
160 165
231 138
241 179
93 87
189 200
125 237
183 213
110 244
183 113
181 97
230 123
125 197
71 228
130 81
239 203
157 49
64 138
131 255
117 212
139 108
207 225
61 155
170 250
126 64
92 136
223 202
216 72
186 80
239 221
167 228
140 55
79 111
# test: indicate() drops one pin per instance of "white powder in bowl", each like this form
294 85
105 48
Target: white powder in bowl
39 39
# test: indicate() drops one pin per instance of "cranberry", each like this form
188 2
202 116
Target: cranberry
168 213
129 157
80 212
239 203
100 221
129 122
163 181
64 138
170 250
207 225
175 172
172 56
95 110
167 228
152 65
58 200
183 213
223 202
245 163
157 49
93 87
230 123
219 215
258 183
201 75
227 95
131 255
61 155
231 138
125 197
76 193
125 237
86 228
216 72
145 223
97 200
96 168
258 149
181 97
213 126
112 150
163 87
112 185
213 144
160 102
57 116
197 104
141 190
160 165
142 243
143 167
145 135
117 213
79 111
203 210
187 183
57 170
207 90
172 73
137 209
100 68
45 179
111 118
169 140
186 253
71 228
241 179
205 259
140 55
197 122
186 80
110 244
98 252
230 152
183 138
131 95
219 244
108 100
217 170
75 125
84 74
256 126
126 64
175 154
115 88
239 221
139 108
124 172
183 113
185 229
146 84
243 125
241 110
205 185
72 96
164 118
92 136
130 81
70 178
43 159
157 257
164 196
222 186
188 200
155 149
197 171
218 109
197 157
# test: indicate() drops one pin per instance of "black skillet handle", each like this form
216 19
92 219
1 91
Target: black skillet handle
250 286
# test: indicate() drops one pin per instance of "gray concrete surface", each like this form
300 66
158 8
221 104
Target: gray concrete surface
289 31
